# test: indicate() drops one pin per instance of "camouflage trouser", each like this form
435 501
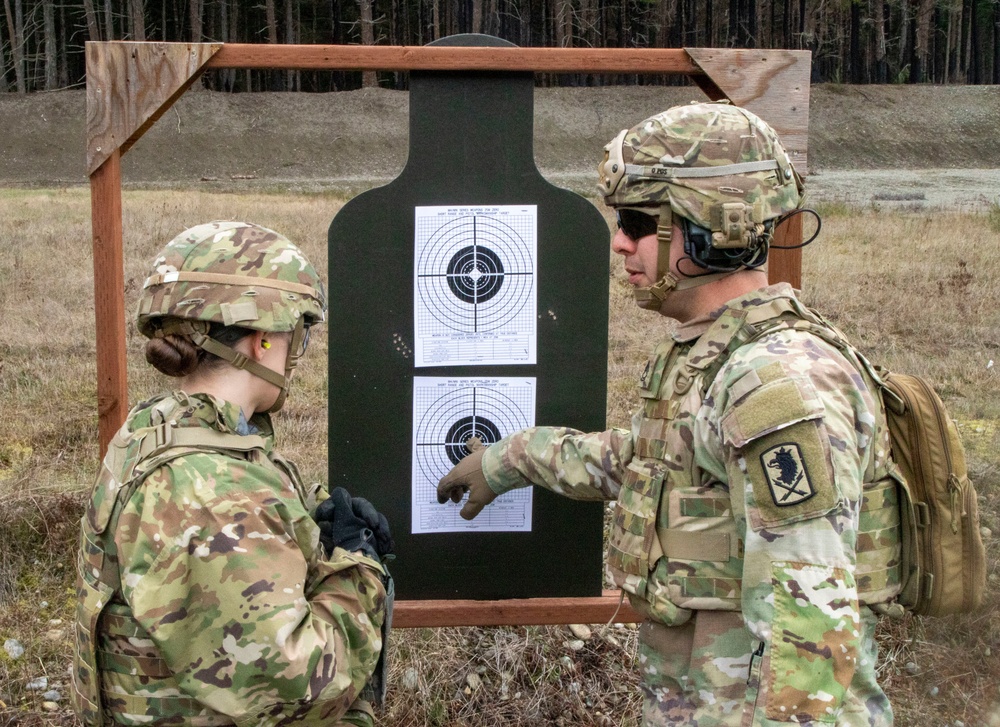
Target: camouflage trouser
698 675
695 674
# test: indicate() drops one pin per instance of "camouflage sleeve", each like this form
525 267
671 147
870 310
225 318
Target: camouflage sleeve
572 463
795 420
221 565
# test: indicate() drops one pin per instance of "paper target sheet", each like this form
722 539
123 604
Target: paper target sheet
474 288
447 412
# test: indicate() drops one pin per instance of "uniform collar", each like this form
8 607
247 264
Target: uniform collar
693 329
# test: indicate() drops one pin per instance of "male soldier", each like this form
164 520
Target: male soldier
740 530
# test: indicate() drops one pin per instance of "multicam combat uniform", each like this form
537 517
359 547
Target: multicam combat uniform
753 506
205 597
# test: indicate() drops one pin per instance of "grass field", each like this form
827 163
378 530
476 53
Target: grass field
918 291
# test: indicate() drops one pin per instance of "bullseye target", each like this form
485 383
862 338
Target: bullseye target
475 273
459 434
447 414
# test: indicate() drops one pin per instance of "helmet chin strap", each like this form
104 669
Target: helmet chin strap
197 331
653 296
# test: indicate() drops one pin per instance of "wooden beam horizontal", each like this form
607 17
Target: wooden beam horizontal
452 58
515 612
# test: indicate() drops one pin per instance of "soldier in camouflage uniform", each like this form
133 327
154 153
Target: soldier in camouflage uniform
755 522
205 595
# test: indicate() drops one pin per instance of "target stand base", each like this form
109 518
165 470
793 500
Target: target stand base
606 608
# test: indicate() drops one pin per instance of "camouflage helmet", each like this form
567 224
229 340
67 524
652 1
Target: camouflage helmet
697 158
235 274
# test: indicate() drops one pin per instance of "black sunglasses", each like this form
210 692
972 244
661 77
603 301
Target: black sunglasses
636 224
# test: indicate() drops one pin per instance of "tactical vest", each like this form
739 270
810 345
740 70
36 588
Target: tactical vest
118 675
674 545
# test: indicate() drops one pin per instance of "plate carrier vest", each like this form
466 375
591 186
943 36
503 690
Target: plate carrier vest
674 545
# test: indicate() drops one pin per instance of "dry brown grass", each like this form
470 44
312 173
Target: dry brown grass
917 291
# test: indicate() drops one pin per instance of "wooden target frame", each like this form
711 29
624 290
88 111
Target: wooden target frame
130 85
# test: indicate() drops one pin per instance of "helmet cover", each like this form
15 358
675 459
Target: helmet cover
698 157
233 273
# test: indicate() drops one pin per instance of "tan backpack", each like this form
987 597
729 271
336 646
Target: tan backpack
947 568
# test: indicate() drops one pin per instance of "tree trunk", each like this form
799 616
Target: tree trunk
709 24
51 55
955 43
291 37
197 8
854 56
137 20
881 65
525 25
109 21
272 21
563 24
477 16
949 45
227 32
15 29
965 47
93 29
368 78
904 36
921 47
586 18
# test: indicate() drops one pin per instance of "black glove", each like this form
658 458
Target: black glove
353 523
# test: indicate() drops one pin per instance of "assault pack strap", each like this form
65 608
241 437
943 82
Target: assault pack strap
944 561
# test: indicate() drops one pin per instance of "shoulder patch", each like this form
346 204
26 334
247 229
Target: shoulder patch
787 477
791 474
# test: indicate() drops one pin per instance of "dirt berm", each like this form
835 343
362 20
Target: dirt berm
913 143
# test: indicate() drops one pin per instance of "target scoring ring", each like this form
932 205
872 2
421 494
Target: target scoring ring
475 274
463 430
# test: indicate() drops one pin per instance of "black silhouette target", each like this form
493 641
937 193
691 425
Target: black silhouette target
475 274
448 423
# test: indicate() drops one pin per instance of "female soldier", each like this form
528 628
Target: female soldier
205 597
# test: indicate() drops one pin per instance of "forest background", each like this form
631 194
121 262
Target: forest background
852 41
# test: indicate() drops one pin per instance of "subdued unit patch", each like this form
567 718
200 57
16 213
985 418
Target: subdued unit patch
786 474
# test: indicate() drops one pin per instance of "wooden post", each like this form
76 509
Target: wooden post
109 296
786 265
